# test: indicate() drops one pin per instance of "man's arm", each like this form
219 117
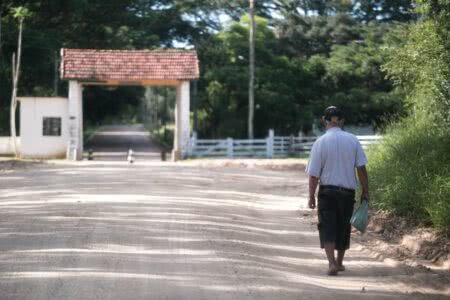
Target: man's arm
313 182
314 169
364 181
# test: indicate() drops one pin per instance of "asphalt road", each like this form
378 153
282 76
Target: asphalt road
112 143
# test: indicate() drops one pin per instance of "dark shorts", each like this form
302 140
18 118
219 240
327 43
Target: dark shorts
335 208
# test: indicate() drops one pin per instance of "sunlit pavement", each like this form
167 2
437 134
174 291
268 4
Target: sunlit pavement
112 143
177 231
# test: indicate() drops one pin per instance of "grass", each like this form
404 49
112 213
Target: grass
410 173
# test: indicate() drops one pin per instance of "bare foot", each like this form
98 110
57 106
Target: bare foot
332 271
341 268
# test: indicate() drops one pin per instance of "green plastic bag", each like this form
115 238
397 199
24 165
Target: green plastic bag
360 217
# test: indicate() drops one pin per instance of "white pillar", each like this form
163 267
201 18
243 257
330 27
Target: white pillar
269 144
75 145
182 123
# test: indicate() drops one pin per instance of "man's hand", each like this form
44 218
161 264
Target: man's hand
313 182
365 196
312 202
364 181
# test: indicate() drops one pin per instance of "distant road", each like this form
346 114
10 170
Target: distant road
111 143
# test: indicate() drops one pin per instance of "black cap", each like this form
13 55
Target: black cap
332 111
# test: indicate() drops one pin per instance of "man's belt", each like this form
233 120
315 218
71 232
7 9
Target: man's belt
336 188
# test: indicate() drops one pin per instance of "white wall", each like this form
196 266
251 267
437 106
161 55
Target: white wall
6 145
32 112
75 109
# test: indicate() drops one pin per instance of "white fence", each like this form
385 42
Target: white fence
272 146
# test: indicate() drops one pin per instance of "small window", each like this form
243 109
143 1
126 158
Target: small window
52 126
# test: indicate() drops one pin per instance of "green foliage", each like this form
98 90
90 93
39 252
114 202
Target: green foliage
111 105
385 10
308 54
355 81
420 68
410 171
127 24
317 34
345 69
21 12
223 94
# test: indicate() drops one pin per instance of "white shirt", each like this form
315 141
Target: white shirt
334 157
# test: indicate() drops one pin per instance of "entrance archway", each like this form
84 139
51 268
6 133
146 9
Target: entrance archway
171 67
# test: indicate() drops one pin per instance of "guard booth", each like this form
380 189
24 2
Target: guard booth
169 67
44 130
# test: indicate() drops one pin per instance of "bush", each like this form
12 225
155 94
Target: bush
410 172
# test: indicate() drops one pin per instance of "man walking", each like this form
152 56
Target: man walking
332 162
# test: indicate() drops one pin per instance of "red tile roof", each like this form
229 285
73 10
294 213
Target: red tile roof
128 65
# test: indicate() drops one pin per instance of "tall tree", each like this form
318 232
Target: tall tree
19 13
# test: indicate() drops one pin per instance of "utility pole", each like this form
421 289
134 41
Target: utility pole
1 33
251 85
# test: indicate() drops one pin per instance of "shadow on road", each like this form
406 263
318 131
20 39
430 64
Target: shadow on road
112 143
172 232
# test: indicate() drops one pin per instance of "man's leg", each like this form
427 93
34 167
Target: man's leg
345 204
327 228
332 264
340 260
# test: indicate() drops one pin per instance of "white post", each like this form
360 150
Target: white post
182 124
193 143
75 146
189 154
230 153
291 144
269 144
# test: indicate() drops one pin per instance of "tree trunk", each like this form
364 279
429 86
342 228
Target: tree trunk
251 86
12 110
16 70
1 44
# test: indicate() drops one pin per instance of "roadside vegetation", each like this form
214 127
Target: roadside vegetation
410 170
309 54
164 136
158 114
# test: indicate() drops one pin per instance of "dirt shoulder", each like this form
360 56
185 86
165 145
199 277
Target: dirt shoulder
406 241
392 238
